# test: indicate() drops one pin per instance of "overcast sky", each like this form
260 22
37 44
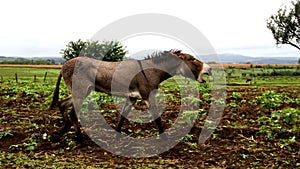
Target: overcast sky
42 28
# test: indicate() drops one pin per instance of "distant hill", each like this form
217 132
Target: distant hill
241 59
25 60
224 58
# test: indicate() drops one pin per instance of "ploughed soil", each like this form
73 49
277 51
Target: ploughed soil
29 137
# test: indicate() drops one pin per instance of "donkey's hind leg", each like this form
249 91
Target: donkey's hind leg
63 107
76 125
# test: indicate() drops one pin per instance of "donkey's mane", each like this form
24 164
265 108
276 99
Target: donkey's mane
183 56
163 56
175 51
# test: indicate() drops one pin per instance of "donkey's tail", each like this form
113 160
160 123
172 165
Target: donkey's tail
55 93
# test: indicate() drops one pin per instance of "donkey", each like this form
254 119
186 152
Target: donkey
132 79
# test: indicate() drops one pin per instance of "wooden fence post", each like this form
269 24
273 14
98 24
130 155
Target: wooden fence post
16 75
34 78
45 76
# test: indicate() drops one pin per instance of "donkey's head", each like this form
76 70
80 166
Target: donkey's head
193 65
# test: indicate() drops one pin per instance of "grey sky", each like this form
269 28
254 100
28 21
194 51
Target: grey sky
42 28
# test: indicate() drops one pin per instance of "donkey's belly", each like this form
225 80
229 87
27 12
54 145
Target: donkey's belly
119 93
132 94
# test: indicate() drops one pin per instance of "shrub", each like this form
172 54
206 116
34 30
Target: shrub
107 50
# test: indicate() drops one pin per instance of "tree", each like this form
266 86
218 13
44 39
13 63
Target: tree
285 25
107 50
72 49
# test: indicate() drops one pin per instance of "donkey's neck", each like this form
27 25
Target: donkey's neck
170 67
162 71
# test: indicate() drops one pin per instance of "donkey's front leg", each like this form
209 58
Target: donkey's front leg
157 118
125 110
76 110
154 111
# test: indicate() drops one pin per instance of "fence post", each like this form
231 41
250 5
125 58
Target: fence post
16 75
34 78
45 76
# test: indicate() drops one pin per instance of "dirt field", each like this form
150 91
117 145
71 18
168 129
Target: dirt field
236 143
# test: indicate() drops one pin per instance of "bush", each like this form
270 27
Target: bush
107 50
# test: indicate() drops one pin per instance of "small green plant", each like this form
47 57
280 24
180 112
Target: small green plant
189 116
234 99
6 134
233 104
288 116
187 138
236 95
192 101
207 96
269 100
280 123
30 144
